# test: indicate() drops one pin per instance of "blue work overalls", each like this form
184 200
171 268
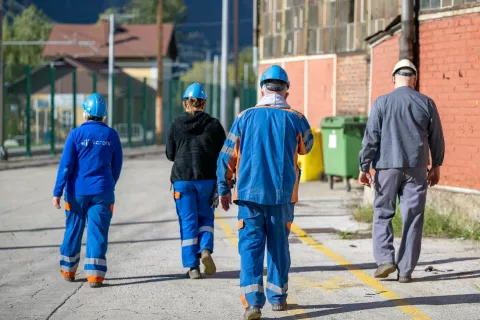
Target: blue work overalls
90 167
195 215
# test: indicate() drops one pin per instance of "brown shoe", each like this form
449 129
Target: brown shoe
384 270
207 261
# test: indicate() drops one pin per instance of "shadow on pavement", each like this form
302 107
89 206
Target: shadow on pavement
148 279
331 309
109 243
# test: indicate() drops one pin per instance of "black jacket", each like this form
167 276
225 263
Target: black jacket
193 144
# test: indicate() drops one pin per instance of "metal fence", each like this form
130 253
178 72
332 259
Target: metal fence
42 105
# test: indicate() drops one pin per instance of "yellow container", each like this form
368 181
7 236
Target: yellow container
312 163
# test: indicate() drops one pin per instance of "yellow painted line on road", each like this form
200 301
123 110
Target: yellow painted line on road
396 300
233 239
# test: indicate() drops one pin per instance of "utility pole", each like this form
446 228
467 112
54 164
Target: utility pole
235 50
111 58
158 101
215 86
208 77
224 93
245 74
2 120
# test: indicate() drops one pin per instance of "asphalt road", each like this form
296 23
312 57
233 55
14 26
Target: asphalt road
330 278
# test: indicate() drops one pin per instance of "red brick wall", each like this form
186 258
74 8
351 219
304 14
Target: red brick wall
352 84
320 83
384 58
295 71
450 75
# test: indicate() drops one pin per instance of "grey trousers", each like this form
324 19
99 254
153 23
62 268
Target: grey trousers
410 184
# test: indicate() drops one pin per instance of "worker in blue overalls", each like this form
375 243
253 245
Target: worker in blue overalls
89 170
193 144
260 157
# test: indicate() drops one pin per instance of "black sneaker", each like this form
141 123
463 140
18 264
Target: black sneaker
279 307
253 312
404 279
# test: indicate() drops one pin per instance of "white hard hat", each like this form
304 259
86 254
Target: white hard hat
404 63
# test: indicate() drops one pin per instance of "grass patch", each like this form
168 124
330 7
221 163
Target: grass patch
436 225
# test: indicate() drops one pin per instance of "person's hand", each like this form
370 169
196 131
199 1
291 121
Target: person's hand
56 202
365 178
433 176
226 201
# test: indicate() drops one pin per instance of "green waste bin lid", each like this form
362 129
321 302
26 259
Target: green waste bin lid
341 122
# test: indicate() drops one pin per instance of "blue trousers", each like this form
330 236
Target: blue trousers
195 215
258 224
96 212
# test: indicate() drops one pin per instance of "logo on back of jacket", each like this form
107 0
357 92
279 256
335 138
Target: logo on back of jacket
87 142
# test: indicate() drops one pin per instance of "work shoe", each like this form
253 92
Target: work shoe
207 261
253 312
279 307
95 284
69 279
384 270
404 279
194 273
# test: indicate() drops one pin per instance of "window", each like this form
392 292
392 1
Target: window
440 4
66 122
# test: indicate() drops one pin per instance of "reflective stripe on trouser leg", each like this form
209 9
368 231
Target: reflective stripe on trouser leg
72 239
251 247
279 217
69 265
205 190
186 205
99 217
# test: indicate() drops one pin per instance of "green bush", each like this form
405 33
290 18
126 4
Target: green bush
436 225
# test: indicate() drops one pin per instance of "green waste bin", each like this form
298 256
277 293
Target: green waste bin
342 142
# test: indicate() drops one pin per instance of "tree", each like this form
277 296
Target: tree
199 70
31 25
146 11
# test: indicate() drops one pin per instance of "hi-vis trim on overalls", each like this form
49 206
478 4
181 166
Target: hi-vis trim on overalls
260 158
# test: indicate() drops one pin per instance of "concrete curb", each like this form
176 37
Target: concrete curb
43 161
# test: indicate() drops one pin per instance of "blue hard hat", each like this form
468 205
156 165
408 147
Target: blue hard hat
95 106
195 90
275 73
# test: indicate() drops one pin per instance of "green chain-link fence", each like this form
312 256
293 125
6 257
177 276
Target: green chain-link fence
36 98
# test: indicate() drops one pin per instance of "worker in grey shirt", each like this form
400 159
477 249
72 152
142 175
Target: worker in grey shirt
402 128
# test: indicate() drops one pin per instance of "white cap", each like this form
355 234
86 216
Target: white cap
404 63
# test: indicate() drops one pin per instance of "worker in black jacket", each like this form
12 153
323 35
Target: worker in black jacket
193 144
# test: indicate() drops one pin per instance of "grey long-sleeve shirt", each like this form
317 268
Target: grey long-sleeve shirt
402 127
